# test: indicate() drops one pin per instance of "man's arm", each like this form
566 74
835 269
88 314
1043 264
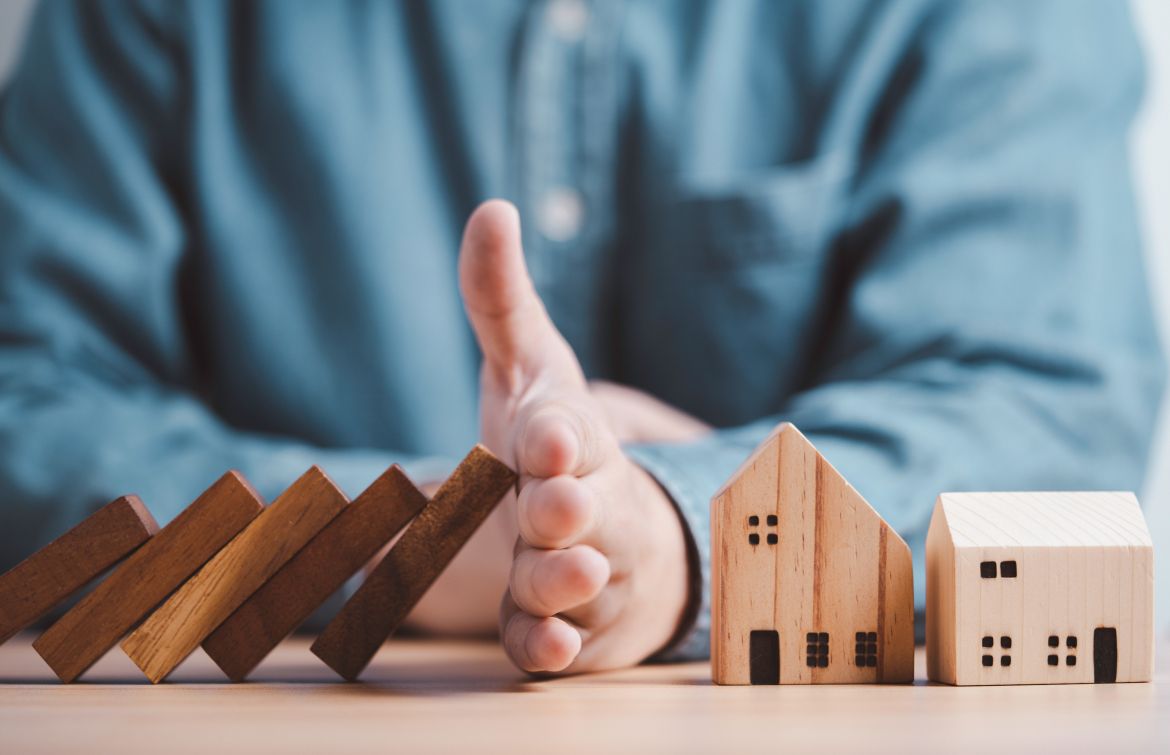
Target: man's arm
993 329
97 397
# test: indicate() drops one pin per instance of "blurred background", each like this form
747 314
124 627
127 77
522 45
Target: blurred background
1151 156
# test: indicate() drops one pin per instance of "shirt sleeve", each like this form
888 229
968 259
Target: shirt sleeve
991 328
97 396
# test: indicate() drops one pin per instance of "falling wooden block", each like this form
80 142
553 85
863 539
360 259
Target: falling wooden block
148 576
1039 588
808 584
48 577
396 584
315 573
172 632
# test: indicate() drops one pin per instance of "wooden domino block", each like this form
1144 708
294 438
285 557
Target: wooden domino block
148 576
172 632
42 581
809 585
372 614
1039 588
316 572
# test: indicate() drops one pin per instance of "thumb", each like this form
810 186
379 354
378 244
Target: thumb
510 321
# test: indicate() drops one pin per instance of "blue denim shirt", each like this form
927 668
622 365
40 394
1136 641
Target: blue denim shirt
228 234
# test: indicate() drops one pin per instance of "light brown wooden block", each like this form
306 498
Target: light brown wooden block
372 614
148 576
316 572
172 632
808 584
1039 588
45 579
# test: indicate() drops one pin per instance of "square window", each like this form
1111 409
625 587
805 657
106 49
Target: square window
872 637
1053 660
987 570
1053 641
1005 660
811 637
988 660
772 520
823 661
1007 569
1071 660
1071 641
871 661
860 661
989 642
811 661
772 539
824 637
753 520
871 648
859 648
1005 642
753 539
860 636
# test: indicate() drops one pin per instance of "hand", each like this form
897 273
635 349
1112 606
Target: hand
637 417
599 574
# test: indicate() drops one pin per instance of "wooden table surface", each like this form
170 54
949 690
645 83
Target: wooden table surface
422 696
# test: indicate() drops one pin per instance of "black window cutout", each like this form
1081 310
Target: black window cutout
872 637
772 539
1071 641
1007 569
754 520
859 661
1053 660
1005 660
865 649
753 539
817 650
772 520
988 660
1053 641
1005 642
871 661
987 570
1071 660
764 654
860 636
989 642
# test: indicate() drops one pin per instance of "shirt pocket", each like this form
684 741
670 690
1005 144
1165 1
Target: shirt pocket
726 286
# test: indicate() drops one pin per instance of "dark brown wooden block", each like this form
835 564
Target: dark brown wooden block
396 584
172 632
146 578
42 581
316 572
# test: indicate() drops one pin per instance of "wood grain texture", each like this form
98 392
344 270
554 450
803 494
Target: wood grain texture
172 632
45 579
798 551
316 572
394 586
439 696
148 576
1019 583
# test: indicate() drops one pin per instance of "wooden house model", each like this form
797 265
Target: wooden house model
808 584
1039 588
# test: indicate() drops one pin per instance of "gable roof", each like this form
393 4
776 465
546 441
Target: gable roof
1044 519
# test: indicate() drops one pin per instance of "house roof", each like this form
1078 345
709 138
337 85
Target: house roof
1098 519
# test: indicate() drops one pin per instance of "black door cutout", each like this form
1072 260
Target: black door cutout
1105 655
765 656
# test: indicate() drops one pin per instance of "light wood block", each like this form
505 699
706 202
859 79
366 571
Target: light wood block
48 577
809 585
396 584
148 576
1039 588
172 632
316 572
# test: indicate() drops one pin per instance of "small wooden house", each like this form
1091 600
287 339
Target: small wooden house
808 584
1039 588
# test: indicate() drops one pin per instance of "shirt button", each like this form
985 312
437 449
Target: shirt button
568 18
561 214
